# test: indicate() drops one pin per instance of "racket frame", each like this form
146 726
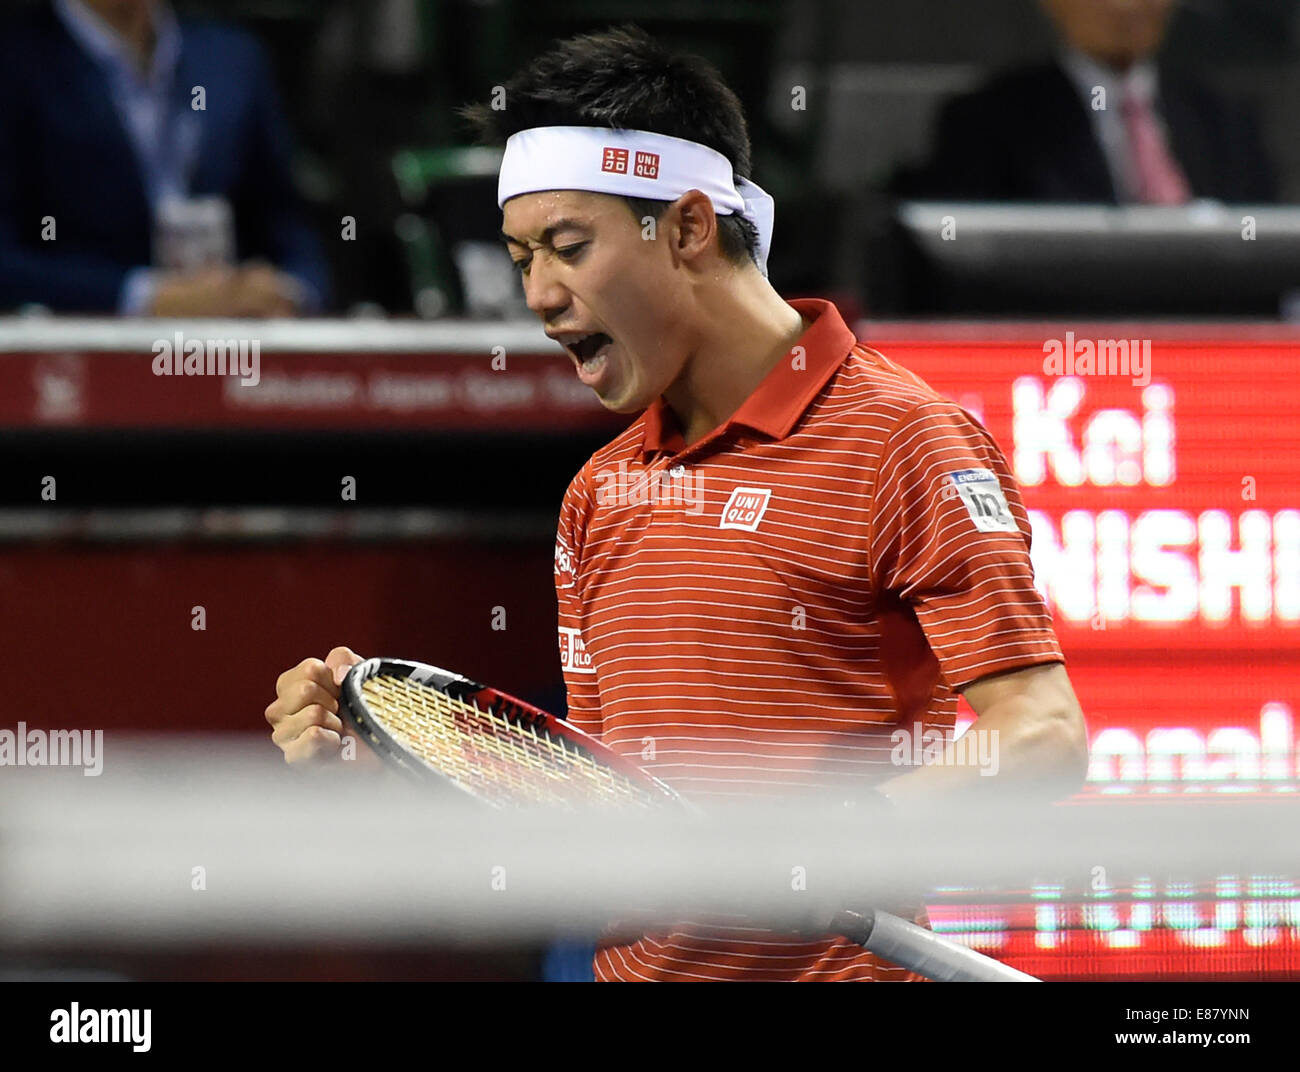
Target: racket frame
356 713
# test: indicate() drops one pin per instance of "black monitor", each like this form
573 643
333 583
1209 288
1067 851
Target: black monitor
1201 260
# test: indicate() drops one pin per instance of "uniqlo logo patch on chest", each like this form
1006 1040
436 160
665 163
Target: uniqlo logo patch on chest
982 496
614 160
745 508
646 165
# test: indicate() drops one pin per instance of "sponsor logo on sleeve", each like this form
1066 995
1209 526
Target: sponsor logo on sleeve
745 508
573 653
563 566
982 496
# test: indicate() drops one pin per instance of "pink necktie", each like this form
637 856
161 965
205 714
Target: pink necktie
1160 180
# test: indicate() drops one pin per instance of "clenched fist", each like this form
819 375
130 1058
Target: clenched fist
304 716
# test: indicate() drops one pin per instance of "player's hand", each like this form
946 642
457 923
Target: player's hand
828 908
304 717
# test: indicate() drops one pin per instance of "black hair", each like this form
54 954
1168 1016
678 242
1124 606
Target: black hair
623 78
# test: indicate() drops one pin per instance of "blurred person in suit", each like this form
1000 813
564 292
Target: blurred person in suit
1102 121
144 168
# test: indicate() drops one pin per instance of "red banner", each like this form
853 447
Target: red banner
440 391
1164 487
1162 476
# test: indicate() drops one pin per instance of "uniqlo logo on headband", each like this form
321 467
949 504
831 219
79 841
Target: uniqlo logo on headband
614 160
646 165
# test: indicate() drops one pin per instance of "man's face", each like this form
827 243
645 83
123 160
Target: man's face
1114 32
608 294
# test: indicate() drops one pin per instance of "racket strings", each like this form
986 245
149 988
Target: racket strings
505 760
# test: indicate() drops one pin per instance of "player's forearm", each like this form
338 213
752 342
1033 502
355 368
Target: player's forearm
1021 749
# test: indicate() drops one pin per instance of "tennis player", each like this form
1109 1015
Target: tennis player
782 574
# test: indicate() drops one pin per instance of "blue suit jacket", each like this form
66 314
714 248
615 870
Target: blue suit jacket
65 154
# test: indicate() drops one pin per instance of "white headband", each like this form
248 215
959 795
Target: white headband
630 163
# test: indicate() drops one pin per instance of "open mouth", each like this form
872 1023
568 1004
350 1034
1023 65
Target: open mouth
589 345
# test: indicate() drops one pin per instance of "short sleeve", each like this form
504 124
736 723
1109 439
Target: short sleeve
950 537
579 674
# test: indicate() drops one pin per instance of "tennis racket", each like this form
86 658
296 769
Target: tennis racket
451 732
447 730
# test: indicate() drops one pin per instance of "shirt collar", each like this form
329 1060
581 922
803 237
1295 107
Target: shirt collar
102 43
784 394
1086 74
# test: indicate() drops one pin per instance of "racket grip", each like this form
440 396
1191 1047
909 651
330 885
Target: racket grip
922 951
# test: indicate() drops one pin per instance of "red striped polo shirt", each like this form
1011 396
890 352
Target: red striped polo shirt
757 612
